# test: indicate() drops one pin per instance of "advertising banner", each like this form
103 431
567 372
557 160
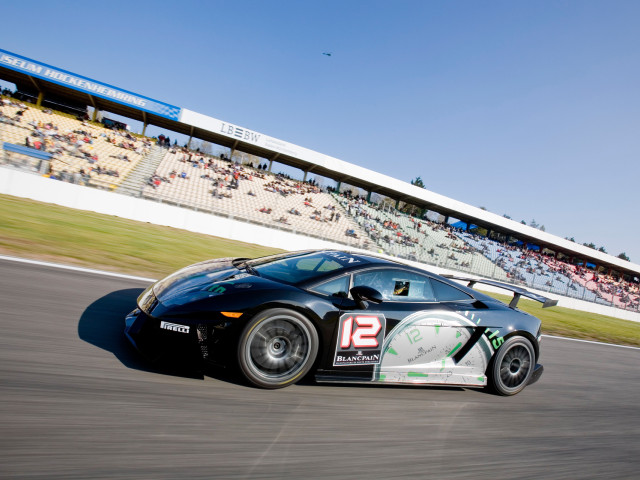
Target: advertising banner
92 87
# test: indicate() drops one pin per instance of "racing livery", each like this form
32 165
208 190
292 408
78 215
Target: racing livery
346 317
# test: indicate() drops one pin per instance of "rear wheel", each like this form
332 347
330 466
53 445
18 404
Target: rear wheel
512 366
277 348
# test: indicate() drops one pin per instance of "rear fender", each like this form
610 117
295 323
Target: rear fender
521 333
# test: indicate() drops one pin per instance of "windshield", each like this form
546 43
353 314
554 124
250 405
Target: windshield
297 268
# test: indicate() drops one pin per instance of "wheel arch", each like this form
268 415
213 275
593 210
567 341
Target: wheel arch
495 383
528 336
277 362
301 309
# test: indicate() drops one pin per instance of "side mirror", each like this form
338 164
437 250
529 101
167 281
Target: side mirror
362 294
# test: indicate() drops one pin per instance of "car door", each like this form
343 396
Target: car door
404 292
438 345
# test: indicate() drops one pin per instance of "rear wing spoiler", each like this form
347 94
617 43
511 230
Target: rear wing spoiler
517 291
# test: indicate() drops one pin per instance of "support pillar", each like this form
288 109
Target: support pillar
270 165
232 149
95 114
40 98
397 204
338 185
304 178
369 197
144 128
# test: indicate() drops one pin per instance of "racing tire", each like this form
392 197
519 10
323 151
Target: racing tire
512 366
278 347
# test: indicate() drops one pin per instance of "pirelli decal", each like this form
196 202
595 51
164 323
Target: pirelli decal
360 339
174 327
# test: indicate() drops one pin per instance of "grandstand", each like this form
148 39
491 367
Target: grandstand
80 152
211 184
417 239
60 145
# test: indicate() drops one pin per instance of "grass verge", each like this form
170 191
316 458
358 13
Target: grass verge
565 322
44 231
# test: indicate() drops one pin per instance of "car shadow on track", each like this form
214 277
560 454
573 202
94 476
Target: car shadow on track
102 325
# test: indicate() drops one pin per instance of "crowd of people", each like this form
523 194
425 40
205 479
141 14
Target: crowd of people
380 230
226 176
519 263
65 145
523 264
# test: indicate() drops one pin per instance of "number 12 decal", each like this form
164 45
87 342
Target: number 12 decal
360 338
365 335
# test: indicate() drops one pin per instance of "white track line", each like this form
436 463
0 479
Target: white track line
143 279
76 269
591 341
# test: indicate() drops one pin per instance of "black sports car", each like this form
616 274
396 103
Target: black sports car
349 317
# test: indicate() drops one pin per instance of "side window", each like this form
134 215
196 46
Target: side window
337 287
447 293
397 285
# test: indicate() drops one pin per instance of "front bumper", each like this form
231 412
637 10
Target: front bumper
146 335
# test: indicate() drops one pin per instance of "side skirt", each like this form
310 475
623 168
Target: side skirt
406 380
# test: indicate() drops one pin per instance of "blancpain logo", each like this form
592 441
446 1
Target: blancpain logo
357 359
174 327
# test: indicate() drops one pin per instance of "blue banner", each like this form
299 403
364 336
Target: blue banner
92 87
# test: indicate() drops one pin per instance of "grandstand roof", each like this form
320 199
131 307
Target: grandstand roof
54 81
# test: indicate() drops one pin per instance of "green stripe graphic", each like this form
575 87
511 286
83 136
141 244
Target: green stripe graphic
454 349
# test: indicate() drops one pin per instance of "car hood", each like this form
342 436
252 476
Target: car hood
197 281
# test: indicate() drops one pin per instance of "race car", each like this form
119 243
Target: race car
342 316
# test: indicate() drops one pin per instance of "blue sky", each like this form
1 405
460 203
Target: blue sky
526 108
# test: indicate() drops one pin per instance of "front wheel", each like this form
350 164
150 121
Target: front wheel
277 348
512 366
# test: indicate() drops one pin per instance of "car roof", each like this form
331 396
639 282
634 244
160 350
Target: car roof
351 260
356 260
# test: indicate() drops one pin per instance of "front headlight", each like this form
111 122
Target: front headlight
147 301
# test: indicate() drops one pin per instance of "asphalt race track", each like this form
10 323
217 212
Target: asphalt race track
77 402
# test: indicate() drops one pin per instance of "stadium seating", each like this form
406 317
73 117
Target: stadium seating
398 234
83 152
208 183
443 245
546 273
